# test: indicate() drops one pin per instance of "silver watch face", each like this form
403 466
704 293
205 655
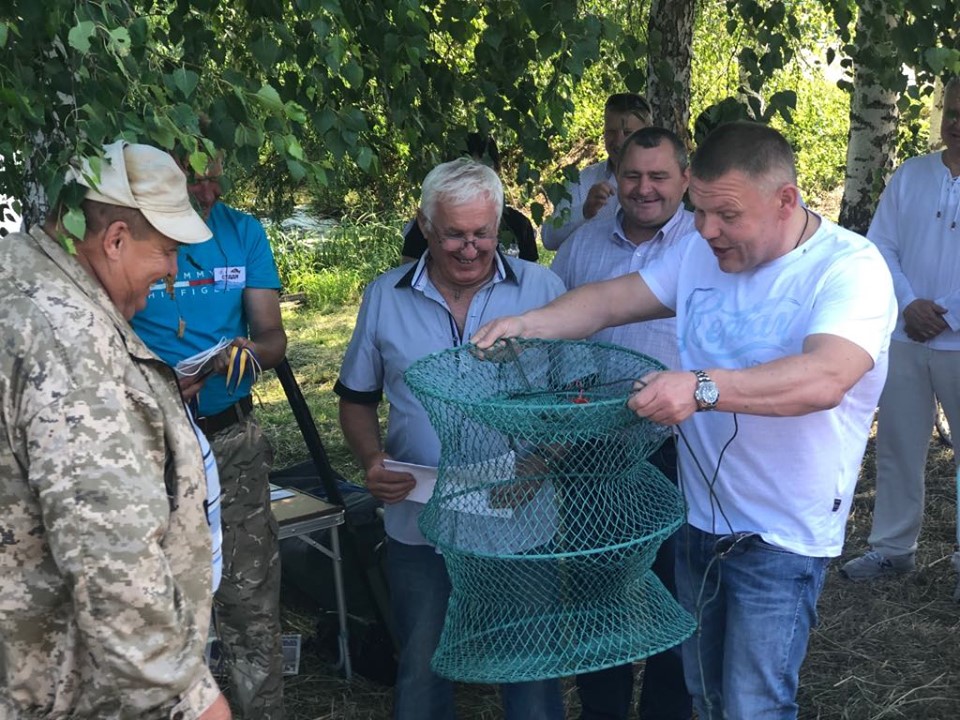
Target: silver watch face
707 393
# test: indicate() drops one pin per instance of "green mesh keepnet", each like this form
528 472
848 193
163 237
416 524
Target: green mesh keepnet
546 511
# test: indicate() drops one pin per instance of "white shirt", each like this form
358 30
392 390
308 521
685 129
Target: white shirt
600 250
917 229
790 479
552 236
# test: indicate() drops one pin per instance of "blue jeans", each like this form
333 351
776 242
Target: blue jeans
419 590
755 605
608 694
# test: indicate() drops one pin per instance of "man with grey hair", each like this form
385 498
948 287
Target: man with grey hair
438 302
783 322
105 550
917 229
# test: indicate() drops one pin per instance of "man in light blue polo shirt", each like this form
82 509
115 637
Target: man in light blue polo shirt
460 283
652 177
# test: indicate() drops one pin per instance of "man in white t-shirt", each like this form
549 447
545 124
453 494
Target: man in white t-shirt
594 195
783 323
917 229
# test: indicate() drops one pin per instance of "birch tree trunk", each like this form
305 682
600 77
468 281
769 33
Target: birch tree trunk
670 43
935 142
34 203
872 144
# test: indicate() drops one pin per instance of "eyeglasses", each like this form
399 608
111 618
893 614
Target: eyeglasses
482 240
459 242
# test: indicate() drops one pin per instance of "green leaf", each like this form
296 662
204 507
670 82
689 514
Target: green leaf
784 99
198 163
266 51
354 119
120 41
938 59
3 34
353 74
96 167
636 80
493 36
775 14
334 56
297 170
248 136
319 173
184 118
164 133
294 148
270 99
325 121
537 211
79 36
364 158
138 31
185 81
75 223
295 112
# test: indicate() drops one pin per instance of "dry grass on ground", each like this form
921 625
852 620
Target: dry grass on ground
890 649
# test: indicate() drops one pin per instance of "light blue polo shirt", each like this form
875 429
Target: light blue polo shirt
402 318
208 297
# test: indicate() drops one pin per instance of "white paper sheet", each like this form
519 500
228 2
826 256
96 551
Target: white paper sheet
425 476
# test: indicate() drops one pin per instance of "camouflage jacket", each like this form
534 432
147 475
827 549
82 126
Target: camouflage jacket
104 545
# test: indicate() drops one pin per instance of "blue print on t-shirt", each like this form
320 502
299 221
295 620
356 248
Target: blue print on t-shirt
742 336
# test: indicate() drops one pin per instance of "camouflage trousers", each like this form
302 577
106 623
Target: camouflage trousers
247 604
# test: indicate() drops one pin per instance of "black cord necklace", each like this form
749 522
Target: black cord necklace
806 219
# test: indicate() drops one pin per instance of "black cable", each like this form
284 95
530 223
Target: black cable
715 504
701 603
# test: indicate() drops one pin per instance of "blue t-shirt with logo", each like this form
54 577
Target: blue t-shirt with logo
208 298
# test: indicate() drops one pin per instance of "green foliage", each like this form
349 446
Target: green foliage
922 36
386 88
334 267
318 97
818 133
796 99
317 340
76 75
914 129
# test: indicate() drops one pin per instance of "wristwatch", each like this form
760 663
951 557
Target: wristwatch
706 393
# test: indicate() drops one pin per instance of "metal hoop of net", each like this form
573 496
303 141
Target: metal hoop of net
546 510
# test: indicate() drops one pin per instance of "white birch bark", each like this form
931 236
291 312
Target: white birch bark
670 40
872 143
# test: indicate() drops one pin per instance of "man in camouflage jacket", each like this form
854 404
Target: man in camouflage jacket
104 545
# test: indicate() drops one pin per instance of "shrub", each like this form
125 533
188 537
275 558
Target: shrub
332 267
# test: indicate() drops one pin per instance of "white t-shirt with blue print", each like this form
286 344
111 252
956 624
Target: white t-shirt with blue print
790 479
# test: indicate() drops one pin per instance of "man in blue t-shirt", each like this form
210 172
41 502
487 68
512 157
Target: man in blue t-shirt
228 288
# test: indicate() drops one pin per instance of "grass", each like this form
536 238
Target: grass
317 341
331 269
882 651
